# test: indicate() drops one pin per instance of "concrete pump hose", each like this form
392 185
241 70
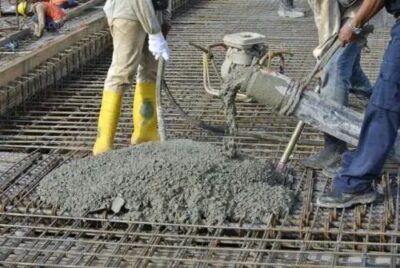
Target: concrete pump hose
159 85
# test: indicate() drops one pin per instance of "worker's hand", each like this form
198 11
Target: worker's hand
158 46
346 34
165 28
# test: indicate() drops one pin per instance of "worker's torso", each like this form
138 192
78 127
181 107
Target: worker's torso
54 12
124 9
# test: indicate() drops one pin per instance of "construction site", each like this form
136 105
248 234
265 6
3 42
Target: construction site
222 188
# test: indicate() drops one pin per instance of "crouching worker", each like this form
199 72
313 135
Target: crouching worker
45 15
138 29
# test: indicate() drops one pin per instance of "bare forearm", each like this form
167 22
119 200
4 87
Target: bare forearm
367 10
41 14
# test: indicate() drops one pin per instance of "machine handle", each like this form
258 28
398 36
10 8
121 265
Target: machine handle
273 54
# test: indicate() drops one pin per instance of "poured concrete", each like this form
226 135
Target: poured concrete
178 181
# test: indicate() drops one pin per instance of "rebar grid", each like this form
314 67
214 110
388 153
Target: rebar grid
62 123
32 233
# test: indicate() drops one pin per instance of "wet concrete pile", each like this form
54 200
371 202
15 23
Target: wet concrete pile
178 181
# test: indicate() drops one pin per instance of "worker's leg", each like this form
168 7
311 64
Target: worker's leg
339 72
286 9
353 184
128 39
378 134
360 83
335 87
144 103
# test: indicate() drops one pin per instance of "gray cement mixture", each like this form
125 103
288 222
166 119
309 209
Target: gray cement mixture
229 89
177 181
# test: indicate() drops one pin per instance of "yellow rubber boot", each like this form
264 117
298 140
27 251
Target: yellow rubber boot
108 120
144 114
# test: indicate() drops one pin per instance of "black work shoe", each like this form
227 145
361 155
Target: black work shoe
323 159
344 200
332 170
363 93
331 154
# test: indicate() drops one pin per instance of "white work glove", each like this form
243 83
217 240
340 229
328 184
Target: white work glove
158 46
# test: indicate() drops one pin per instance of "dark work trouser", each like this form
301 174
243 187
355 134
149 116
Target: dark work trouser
380 126
69 4
50 25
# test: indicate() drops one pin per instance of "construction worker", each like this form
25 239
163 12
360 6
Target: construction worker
287 9
138 28
341 75
353 184
45 16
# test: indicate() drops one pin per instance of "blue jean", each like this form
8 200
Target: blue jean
69 4
380 126
49 25
344 72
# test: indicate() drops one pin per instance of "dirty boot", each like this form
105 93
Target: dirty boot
344 200
332 170
331 154
361 92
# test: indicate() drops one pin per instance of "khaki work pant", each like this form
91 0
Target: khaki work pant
130 54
